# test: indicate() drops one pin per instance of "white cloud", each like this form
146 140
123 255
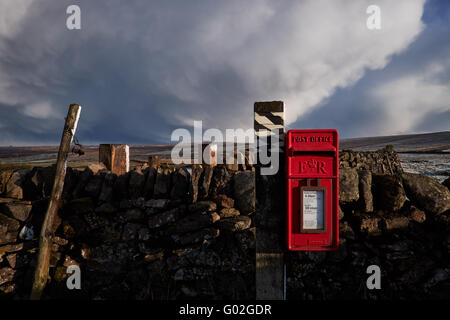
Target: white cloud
41 110
407 100
296 51
12 12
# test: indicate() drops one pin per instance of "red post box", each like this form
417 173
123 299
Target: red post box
312 175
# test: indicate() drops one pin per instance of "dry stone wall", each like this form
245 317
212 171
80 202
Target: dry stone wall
384 161
189 233
153 233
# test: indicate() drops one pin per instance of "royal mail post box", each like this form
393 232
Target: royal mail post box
312 177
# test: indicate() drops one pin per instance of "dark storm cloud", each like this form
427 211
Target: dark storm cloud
143 68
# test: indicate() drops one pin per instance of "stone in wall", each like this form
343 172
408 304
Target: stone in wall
368 224
229 213
224 201
136 183
18 260
19 210
348 185
446 183
162 182
203 206
40 182
389 192
246 239
180 183
244 191
365 191
6 275
346 231
426 193
9 229
133 214
205 181
417 215
157 204
394 222
107 190
5 175
82 181
196 173
14 186
70 183
194 222
131 231
196 237
79 206
237 223
167 217
150 182
221 182
94 185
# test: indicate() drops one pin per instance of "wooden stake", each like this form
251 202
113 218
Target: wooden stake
115 157
45 239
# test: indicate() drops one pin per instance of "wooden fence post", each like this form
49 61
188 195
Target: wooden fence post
46 236
115 157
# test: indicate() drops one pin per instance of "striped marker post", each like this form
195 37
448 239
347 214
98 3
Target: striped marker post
270 204
269 121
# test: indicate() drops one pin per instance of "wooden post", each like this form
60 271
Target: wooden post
270 210
115 157
45 239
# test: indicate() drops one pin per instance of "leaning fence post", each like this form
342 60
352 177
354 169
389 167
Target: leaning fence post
45 239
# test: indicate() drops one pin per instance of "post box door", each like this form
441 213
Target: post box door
311 213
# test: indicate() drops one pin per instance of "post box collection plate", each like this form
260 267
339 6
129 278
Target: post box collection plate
313 210
312 177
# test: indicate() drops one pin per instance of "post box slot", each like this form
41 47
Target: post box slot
300 148
329 153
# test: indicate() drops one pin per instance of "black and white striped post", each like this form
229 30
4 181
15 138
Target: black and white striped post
269 121
270 203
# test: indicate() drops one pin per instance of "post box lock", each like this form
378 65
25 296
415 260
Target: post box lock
312 177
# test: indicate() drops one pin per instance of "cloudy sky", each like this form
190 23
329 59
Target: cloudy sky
141 68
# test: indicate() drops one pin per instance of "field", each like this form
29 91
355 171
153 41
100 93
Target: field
428 154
